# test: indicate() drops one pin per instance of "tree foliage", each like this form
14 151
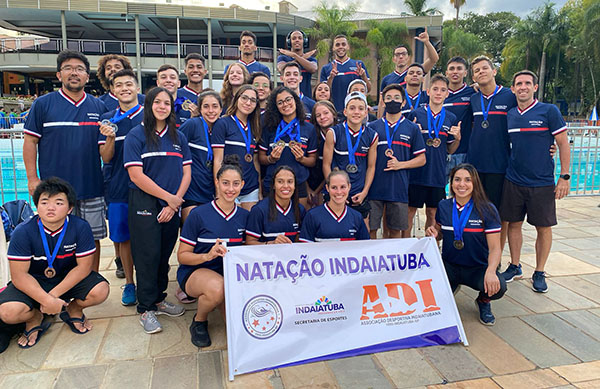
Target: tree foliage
457 42
418 7
383 37
493 29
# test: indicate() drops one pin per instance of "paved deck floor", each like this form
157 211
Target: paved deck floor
539 340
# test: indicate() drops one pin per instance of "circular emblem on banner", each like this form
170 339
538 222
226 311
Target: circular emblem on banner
262 316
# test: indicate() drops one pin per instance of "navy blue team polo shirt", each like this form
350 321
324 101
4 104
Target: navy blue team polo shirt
347 72
532 132
340 153
116 190
411 103
112 102
476 251
489 148
459 103
433 173
163 164
227 135
188 94
322 224
68 140
407 143
26 245
253 67
262 228
202 186
305 85
308 141
394 78
203 227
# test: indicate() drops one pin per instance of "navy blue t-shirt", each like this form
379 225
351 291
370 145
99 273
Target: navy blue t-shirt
308 140
305 85
253 67
26 245
347 72
340 153
459 103
411 103
407 143
204 225
202 186
489 148
227 135
117 187
532 132
112 102
162 164
394 78
308 105
190 95
322 224
262 228
475 251
68 140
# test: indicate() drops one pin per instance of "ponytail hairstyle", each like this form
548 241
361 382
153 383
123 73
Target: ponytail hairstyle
272 206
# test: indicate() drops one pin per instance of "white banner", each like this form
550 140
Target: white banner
290 304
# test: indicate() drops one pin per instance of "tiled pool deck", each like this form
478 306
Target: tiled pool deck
539 340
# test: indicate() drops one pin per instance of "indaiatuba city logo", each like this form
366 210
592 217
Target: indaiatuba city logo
322 305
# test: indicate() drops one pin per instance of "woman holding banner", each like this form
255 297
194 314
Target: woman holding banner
277 219
469 224
200 254
334 220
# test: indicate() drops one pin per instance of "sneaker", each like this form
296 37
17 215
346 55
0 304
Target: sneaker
128 297
539 282
486 316
120 273
170 309
150 323
513 272
199 331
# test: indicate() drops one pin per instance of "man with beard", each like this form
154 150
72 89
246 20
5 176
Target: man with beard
248 51
61 132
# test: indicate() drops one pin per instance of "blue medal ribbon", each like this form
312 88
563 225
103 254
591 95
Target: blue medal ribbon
485 111
459 223
287 130
209 152
435 123
352 148
408 100
120 116
51 258
387 131
245 133
177 103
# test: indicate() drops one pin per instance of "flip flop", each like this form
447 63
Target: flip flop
64 316
41 329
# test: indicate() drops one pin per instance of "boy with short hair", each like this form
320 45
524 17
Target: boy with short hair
51 264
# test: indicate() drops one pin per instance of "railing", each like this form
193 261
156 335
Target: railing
7 122
102 47
584 169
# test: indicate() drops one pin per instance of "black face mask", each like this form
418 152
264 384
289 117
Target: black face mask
393 107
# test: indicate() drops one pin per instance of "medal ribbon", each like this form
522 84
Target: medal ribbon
409 100
435 123
118 117
51 258
352 148
485 111
387 131
209 152
459 223
245 133
287 130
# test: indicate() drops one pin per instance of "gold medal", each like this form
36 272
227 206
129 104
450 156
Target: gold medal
293 143
429 142
459 244
280 143
437 142
186 105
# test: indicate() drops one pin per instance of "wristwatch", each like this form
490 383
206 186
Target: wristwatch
565 176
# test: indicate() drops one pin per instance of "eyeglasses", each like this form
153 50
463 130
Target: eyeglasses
287 100
77 69
257 85
246 99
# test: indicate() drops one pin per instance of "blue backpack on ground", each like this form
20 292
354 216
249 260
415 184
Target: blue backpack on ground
14 213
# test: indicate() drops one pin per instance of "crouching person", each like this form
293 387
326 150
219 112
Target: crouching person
51 258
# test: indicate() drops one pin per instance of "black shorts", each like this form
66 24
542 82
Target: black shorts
492 185
191 203
216 269
537 202
79 291
428 195
364 208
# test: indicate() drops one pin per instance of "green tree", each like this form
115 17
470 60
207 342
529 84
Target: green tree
418 7
493 29
383 37
457 4
459 43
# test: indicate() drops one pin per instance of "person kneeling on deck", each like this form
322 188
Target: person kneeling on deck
51 258
469 224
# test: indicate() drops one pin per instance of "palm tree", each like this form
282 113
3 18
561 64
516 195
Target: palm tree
417 8
547 26
384 37
331 22
457 4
